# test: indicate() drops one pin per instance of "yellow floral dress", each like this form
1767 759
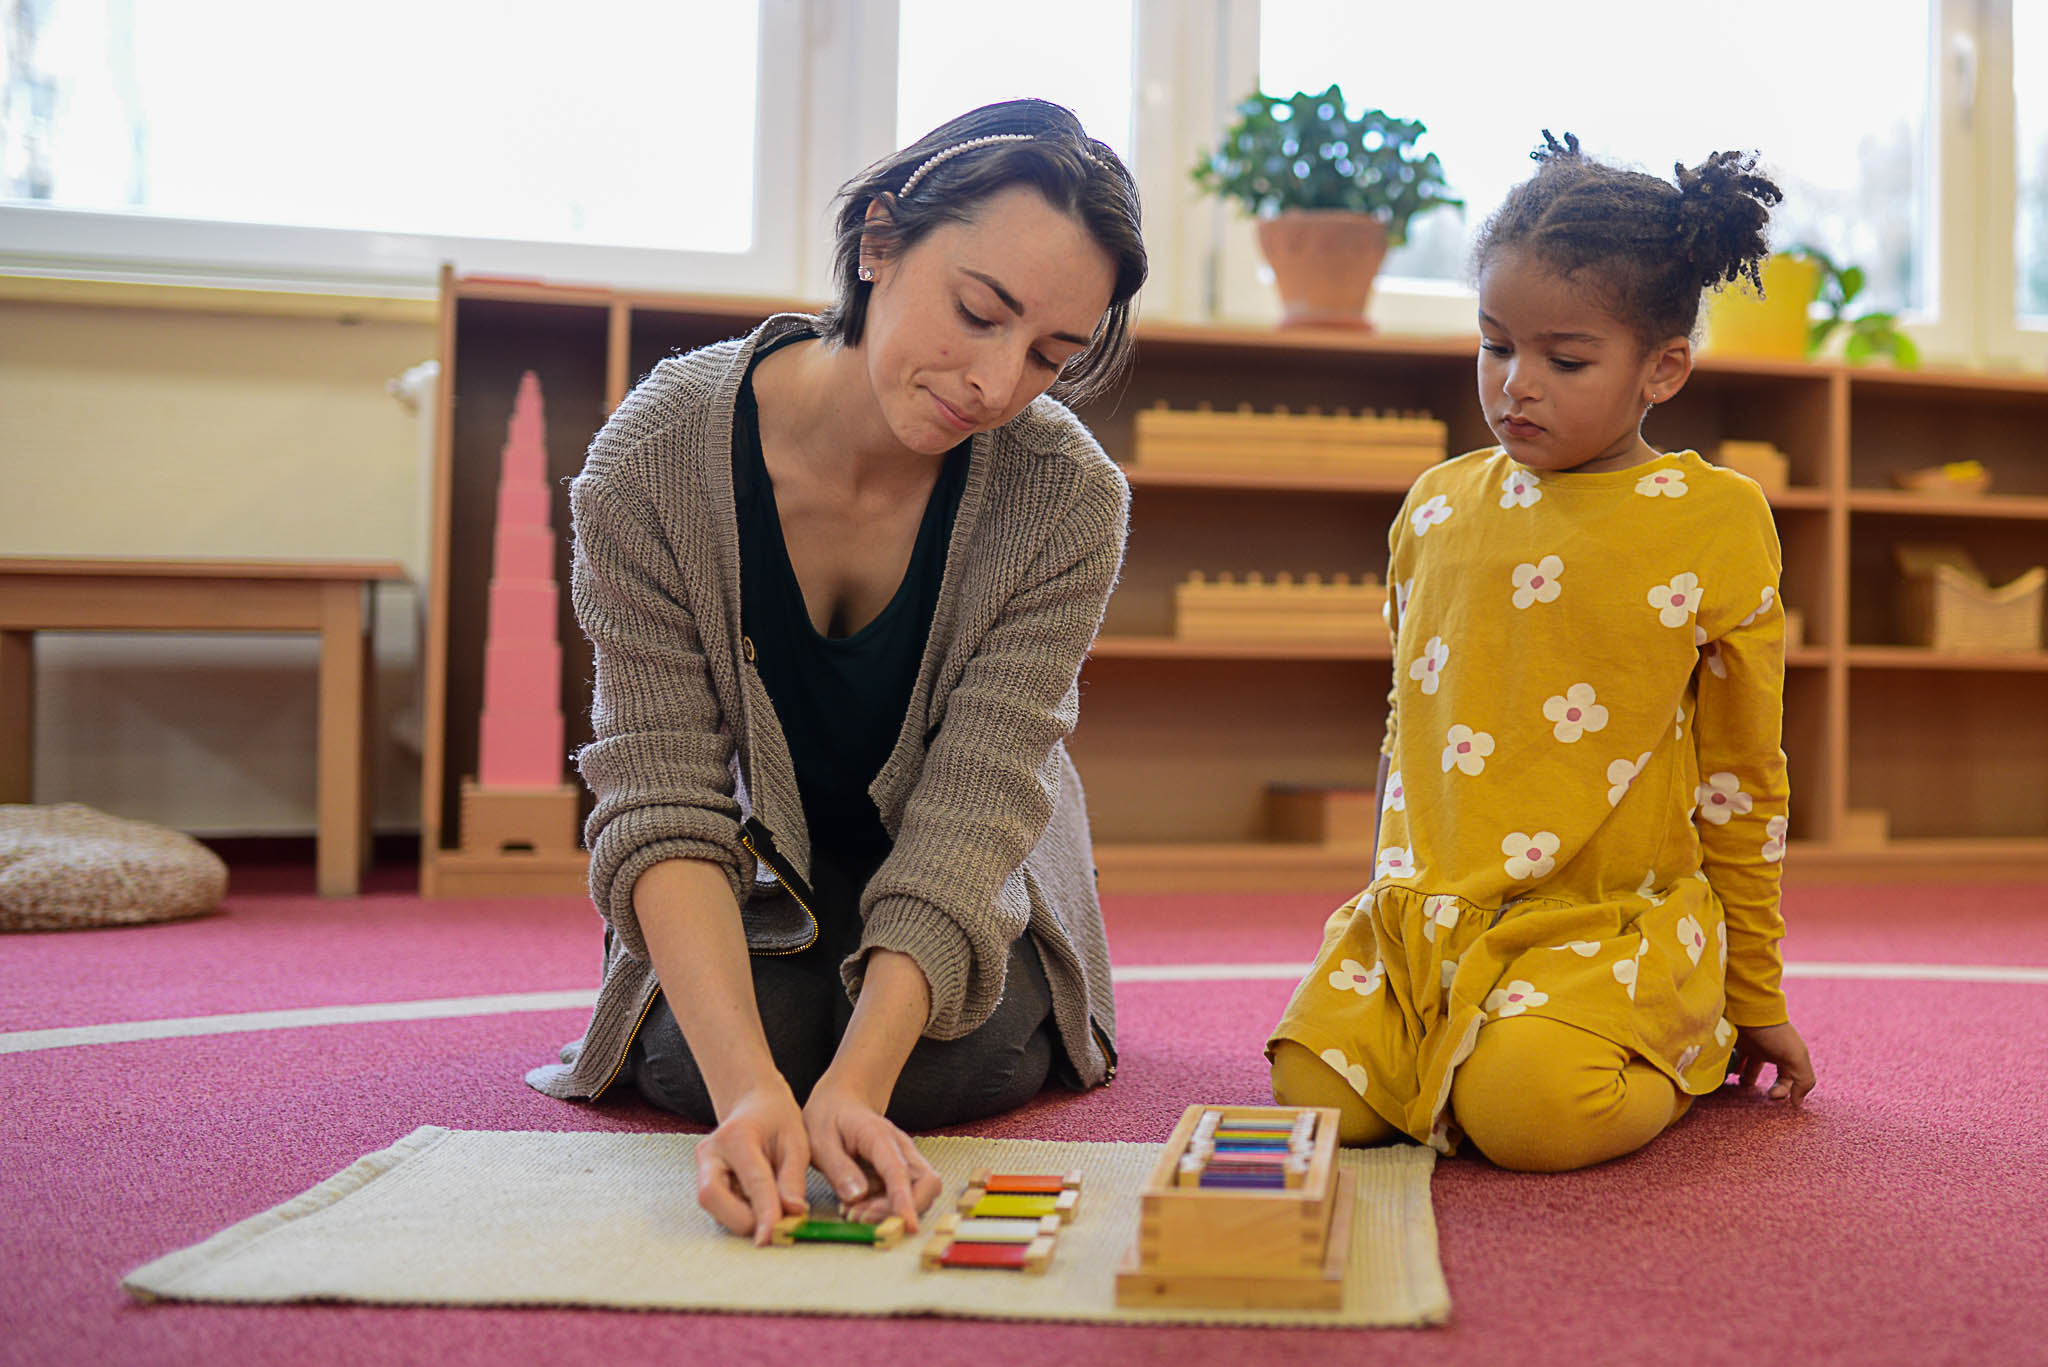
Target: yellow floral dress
1586 807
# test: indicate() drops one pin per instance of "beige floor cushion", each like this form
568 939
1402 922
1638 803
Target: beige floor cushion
69 865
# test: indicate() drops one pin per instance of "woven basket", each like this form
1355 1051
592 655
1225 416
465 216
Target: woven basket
1945 604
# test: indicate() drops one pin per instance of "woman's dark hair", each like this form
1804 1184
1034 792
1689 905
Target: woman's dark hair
1076 174
1650 248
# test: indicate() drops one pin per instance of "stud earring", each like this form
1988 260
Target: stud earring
866 275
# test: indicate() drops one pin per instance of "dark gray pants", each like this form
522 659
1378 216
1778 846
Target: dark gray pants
804 1010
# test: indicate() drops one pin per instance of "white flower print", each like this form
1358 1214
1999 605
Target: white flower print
1529 856
1396 797
1353 1073
1721 937
1520 489
1404 589
1662 483
1395 862
1517 997
1691 937
1678 723
1449 972
1678 600
1648 890
1625 969
1621 774
1428 667
1721 797
1466 750
1430 514
1774 839
1537 583
1353 976
1723 1032
1769 596
1575 712
1710 652
1438 912
1688 1058
1585 949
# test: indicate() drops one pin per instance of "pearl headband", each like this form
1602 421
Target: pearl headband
955 150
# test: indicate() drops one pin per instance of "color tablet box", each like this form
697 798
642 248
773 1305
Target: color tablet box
1265 1246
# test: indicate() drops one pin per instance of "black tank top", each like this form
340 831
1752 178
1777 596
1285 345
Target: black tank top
840 699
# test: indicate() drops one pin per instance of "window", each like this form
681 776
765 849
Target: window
2030 157
953 57
391 134
1647 86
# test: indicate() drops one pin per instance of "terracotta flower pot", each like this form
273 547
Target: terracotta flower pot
1323 261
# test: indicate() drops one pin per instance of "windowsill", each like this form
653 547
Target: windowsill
77 292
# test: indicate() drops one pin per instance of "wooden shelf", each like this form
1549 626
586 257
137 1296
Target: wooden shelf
1234 866
1920 657
1899 503
1265 866
1173 648
1252 480
1176 761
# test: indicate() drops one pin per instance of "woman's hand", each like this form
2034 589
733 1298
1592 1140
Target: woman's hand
875 1167
751 1170
1781 1047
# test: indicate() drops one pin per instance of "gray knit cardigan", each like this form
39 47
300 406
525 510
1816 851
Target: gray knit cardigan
688 760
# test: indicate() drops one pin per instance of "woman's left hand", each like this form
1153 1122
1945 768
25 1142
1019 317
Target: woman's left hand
875 1167
1781 1047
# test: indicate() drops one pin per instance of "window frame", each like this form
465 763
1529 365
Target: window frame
47 240
1970 134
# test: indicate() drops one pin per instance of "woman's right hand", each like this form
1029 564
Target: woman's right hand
751 1170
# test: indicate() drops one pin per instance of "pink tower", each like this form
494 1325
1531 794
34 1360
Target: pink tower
519 741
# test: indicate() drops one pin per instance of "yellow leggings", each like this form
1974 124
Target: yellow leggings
1536 1095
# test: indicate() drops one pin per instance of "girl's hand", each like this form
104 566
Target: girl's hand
1780 1046
751 1169
875 1168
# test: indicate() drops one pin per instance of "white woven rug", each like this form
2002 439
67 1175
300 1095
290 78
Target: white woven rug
477 1217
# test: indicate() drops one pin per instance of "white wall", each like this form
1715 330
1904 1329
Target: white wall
129 431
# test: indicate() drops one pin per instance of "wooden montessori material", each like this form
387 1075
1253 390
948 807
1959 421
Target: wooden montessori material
1279 610
1394 446
1007 1220
1245 1208
518 806
802 1229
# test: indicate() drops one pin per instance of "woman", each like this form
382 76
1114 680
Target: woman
840 576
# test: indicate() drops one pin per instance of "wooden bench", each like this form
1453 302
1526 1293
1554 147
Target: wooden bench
326 598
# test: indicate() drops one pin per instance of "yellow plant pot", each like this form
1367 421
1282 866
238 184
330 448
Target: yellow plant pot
1740 324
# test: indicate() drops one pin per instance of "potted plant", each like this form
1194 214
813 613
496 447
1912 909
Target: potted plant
1871 336
1779 322
1330 193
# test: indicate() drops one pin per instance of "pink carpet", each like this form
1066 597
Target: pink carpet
1901 1216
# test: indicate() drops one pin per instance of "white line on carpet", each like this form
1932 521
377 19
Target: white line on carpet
449 1008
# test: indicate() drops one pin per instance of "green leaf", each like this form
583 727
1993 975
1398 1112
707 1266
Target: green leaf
1851 282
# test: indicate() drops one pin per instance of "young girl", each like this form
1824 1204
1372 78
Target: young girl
1574 920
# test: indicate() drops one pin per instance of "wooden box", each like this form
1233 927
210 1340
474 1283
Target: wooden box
1338 818
1394 446
1280 610
1945 604
1283 1246
1760 460
519 823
